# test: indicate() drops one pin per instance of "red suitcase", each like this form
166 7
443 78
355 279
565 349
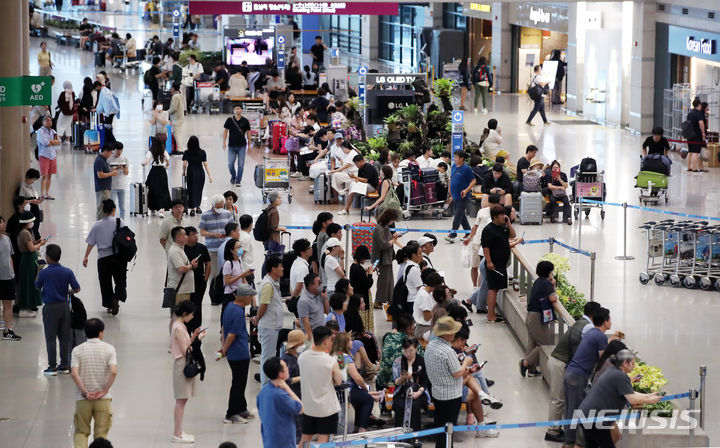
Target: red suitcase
279 130
362 234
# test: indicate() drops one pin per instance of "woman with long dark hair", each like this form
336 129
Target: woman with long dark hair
361 279
194 167
482 79
464 80
157 179
88 100
382 249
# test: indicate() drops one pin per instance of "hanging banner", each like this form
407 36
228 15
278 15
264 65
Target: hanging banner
25 91
458 126
300 8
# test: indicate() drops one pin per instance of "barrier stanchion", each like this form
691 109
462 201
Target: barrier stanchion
449 435
624 256
551 243
580 220
592 276
703 374
691 409
348 236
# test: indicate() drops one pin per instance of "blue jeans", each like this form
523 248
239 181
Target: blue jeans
268 343
119 197
460 218
236 152
479 297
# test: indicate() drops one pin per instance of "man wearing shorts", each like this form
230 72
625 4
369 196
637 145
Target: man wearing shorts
48 146
7 282
495 241
477 267
318 373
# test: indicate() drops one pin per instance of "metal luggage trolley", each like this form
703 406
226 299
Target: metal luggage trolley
254 115
436 208
276 177
207 97
589 186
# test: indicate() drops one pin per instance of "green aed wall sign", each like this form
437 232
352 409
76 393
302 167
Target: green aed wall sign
25 91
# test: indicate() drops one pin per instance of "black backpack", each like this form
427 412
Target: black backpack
400 295
535 92
261 230
217 289
688 131
124 245
147 77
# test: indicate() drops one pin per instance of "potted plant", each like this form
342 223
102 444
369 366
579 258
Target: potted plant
443 89
392 122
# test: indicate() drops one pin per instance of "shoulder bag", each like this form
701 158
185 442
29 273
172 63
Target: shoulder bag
391 201
192 366
170 293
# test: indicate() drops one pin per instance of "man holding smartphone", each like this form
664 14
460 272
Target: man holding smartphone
103 178
495 241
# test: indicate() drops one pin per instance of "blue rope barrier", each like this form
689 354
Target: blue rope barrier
655 210
401 229
298 227
429 432
572 249
535 241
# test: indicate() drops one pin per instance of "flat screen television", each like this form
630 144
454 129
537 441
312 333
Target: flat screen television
253 50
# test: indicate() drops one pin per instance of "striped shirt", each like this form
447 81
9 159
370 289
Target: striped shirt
212 222
93 360
441 362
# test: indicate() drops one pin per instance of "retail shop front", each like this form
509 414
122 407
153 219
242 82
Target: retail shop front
537 29
479 29
685 56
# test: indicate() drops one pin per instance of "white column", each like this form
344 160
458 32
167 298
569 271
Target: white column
575 57
501 46
370 36
642 68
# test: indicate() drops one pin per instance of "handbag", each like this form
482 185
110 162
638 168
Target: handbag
170 293
704 154
391 201
548 313
192 366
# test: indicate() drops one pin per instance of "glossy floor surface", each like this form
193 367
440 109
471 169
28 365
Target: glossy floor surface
675 329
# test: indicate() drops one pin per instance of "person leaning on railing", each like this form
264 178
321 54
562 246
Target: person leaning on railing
539 317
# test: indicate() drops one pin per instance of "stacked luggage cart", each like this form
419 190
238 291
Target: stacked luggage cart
682 253
420 187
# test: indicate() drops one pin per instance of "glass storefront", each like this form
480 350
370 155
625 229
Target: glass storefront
399 37
344 32
453 17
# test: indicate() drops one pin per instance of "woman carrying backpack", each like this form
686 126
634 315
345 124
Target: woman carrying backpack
536 90
482 78
273 221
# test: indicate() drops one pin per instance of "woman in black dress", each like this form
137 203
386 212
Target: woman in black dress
361 280
194 161
157 179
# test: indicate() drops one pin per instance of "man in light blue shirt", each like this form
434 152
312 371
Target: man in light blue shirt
48 146
107 107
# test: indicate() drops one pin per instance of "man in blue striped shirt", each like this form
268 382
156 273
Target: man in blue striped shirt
212 227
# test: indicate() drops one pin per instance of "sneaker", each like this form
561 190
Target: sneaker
50 371
533 372
10 335
523 369
63 369
547 123
343 212
198 211
449 240
484 111
238 184
489 382
529 124
161 215
498 320
569 221
235 420
257 377
232 181
192 212
487 433
489 400
184 438
554 437
305 178
467 305
296 174
27 313
247 415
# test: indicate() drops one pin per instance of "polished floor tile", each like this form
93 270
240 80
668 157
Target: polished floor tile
675 329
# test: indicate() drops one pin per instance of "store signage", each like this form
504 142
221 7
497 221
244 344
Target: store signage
480 7
392 79
458 127
539 16
701 46
693 43
25 91
296 8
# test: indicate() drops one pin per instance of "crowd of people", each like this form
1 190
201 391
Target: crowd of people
306 316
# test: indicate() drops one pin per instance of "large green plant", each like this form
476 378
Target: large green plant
572 299
442 87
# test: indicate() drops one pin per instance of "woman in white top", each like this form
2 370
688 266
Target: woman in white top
121 182
158 123
494 140
293 104
233 273
238 86
332 264
157 179
413 280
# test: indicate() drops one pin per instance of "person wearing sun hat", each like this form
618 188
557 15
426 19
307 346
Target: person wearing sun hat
332 265
427 244
446 373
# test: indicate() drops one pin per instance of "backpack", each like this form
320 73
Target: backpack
400 295
261 230
531 181
124 245
481 74
688 131
217 289
535 92
147 77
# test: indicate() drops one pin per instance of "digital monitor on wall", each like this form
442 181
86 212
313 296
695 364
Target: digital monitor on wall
250 46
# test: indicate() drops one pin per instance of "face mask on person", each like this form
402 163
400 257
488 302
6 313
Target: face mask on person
218 210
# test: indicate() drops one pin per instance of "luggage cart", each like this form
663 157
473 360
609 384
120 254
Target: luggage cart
651 186
436 208
654 232
276 177
589 186
255 117
207 97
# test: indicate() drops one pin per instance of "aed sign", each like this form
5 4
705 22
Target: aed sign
25 91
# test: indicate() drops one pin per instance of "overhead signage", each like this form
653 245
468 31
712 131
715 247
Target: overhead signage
478 10
539 16
362 75
25 91
458 127
693 43
480 7
296 8
393 79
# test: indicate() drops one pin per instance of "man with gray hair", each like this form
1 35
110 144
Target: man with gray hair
212 227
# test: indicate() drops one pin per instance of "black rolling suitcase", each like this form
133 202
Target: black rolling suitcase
100 59
181 193
78 130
